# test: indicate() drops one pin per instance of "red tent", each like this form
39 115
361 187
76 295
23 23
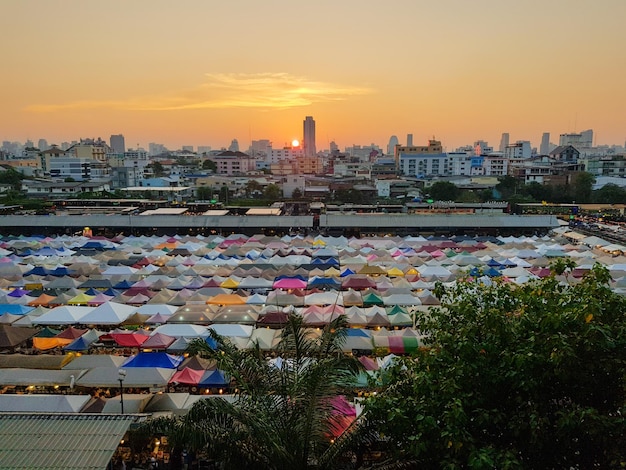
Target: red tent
129 340
188 376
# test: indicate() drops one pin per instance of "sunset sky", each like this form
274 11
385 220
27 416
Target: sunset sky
202 72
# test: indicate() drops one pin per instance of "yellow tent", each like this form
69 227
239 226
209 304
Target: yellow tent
80 299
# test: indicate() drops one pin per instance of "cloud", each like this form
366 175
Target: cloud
228 90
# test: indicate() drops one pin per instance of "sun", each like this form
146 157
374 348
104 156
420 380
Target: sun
295 143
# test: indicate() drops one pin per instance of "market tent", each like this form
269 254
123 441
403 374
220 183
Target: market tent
179 330
130 340
187 376
109 313
92 361
153 359
64 315
226 299
15 309
173 403
232 330
83 342
141 377
133 403
34 361
158 341
41 377
12 336
42 403
214 378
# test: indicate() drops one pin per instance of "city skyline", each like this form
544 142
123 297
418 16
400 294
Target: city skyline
208 73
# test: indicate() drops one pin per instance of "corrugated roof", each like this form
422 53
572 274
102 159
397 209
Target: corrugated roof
60 441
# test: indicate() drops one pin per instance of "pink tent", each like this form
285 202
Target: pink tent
290 283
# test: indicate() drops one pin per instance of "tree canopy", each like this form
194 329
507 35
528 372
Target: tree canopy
444 191
529 376
285 413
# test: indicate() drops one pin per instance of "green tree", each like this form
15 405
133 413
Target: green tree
507 186
157 169
272 192
253 187
583 187
284 414
296 194
609 194
511 376
204 193
209 165
538 191
12 177
224 194
444 191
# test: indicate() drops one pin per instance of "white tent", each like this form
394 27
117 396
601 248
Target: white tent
65 315
42 403
153 377
109 313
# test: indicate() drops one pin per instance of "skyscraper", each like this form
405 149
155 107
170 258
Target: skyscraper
309 137
544 148
117 143
504 141
409 140
391 146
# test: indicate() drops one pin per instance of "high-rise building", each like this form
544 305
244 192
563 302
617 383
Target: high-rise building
234 146
583 140
391 146
309 137
504 141
409 140
43 144
117 143
544 148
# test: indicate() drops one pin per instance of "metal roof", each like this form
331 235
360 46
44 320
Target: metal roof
60 441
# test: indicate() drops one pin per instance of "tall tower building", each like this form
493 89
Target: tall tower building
117 143
234 146
409 140
391 146
504 141
309 137
544 148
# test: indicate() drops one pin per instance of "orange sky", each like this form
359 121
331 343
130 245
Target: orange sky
202 72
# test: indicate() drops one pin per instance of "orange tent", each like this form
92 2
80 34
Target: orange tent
42 300
226 299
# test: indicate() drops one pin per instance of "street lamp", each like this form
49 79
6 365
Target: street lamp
121 375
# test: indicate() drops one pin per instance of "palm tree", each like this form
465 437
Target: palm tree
284 415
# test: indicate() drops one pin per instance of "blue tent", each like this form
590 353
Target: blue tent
94 245
493 263
324 282
15 309
37 271
80 344
347 272
154 359
61 271
125 284
214 378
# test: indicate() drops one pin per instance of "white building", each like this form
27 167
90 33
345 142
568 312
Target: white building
518 151
286 153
